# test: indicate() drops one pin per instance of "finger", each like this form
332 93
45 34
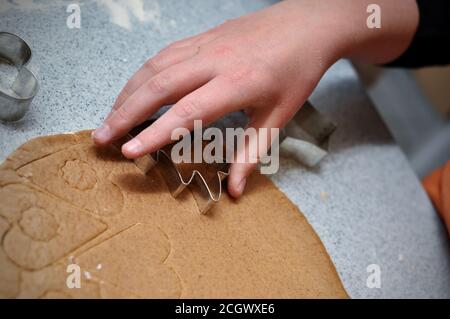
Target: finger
208 103
153 66
249 154
162 89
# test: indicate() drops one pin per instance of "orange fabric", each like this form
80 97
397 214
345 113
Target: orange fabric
432 184
437 185
445 194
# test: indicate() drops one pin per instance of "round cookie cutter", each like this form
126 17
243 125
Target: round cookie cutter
15 102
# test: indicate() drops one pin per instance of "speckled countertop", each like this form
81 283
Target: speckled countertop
364 200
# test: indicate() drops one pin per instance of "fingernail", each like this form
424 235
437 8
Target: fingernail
133 146
241 186
102 134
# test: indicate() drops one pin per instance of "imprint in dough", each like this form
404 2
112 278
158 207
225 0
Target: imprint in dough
20 243
79 175
71 174
65 201
9 273
38 224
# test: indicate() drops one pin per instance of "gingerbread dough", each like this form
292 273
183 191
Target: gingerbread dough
65 202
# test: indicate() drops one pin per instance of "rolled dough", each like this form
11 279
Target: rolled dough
64 201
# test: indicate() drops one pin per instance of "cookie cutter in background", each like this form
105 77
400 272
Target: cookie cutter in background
14 103
305 137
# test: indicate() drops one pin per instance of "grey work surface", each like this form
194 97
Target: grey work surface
364 201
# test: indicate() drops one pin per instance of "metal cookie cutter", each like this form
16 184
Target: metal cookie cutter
204 181
14 103
306 136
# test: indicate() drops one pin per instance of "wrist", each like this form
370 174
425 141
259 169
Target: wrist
358 40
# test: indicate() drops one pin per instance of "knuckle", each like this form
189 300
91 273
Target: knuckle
120 100
187 109
222 50
152 65
258 80
157 84
126 92
123 116
241 73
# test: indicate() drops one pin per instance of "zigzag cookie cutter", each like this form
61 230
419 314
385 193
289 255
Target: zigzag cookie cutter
203 180
305 138
15 101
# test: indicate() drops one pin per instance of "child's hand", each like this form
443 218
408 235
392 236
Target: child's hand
267 62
